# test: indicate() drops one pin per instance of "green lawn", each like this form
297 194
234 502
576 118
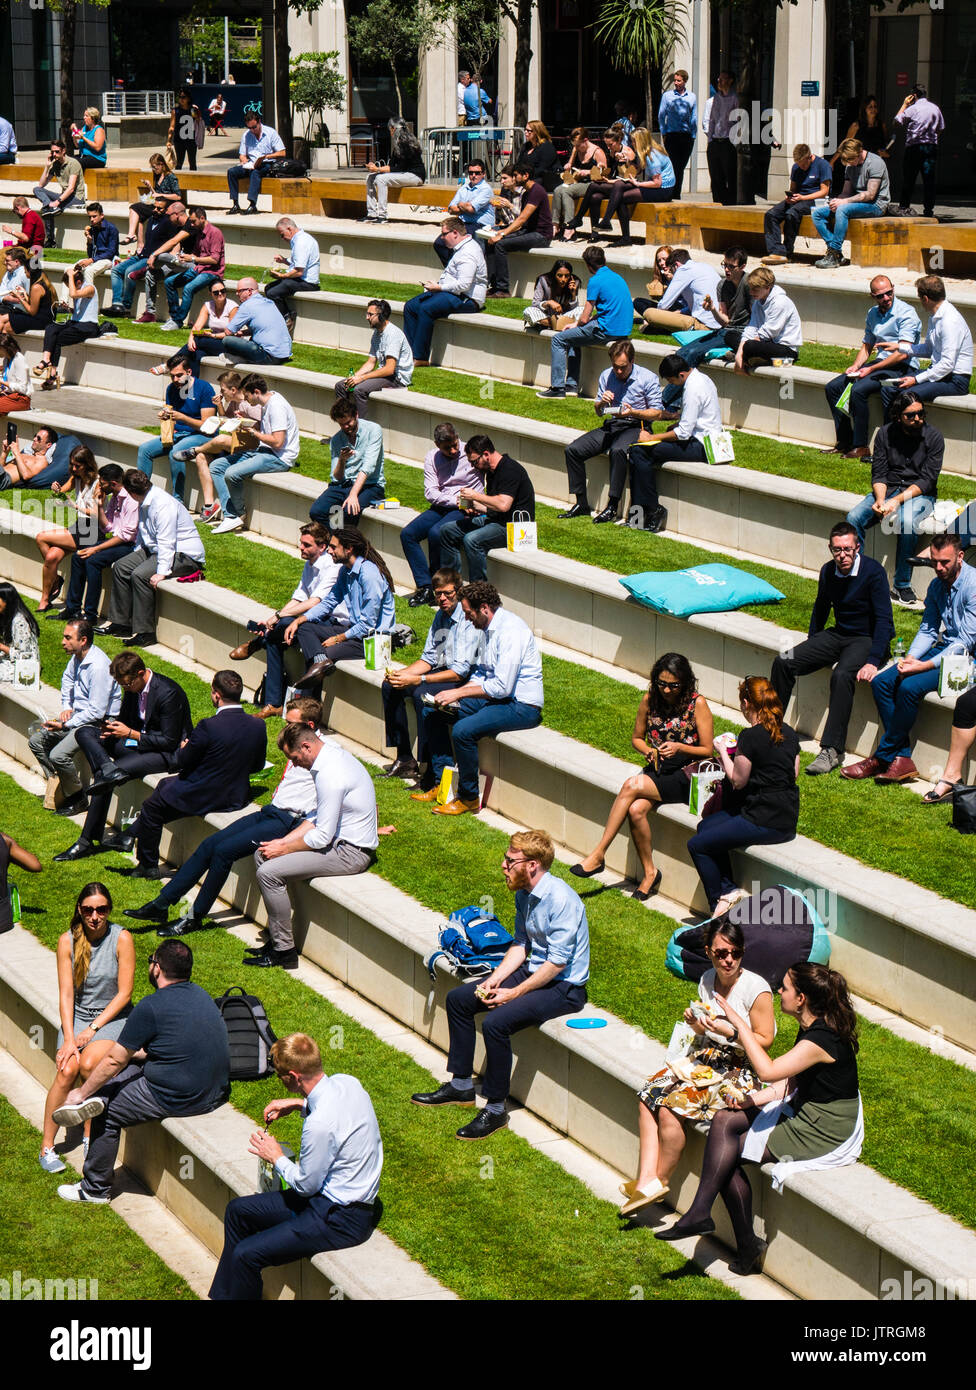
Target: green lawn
45 1238
451 1206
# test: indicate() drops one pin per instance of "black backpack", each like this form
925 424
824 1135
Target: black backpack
284 169
249 1034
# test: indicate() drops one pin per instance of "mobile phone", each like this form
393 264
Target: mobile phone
11 431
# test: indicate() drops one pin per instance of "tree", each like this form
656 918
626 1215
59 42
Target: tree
637 34
68 11
397 33
202 41
477 23
521 17
316 85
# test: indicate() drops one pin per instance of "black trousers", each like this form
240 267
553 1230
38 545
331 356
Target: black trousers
919 159
108 756
759 352
645 459
613 438
787 216
723 169
311 636
395 701
679 145
847 653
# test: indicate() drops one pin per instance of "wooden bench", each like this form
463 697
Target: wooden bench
942 250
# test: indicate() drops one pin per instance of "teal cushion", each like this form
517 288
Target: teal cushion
700 589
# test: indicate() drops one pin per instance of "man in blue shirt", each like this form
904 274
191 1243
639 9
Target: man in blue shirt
476 101
188 403
357 479
472 203
8 142
364 583
543 975
623 383
889 321
101 243
809 181
677 119
607 313
948 626
259 145
270 340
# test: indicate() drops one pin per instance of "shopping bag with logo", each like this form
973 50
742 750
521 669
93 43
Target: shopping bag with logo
447 788
378 648
27 672
844 399
702 784
522 533
683 1038
955 674
718 447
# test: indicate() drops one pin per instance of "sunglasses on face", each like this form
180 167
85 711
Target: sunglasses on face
913 415
95 911
724 952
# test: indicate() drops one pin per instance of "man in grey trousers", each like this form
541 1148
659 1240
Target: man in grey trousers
341 840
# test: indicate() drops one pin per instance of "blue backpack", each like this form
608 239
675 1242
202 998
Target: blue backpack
471 944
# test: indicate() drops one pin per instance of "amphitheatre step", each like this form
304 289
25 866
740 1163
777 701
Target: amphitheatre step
900 946
216 1143
579 607
836 1234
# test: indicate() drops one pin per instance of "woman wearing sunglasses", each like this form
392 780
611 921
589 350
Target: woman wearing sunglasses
673 729
214 318
668 1100
96 968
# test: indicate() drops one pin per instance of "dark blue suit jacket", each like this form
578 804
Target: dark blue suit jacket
217 764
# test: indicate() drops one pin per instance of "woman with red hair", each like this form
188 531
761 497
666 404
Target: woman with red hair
760 802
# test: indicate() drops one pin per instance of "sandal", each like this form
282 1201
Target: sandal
932 798
52 382
40 369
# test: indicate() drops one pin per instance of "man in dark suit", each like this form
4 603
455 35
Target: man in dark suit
214 769
154 719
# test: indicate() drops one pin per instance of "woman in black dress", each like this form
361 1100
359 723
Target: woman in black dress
539 153
673 729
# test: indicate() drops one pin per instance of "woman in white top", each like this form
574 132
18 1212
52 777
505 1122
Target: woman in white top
82 324
214 318
15 382
666 1100
231 405
18 632
774 330
14 282
59 541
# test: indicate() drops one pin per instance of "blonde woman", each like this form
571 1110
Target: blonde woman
165 185
653 183
96 968
539 153
90 141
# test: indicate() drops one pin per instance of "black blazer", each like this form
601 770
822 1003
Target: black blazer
216 765
168 721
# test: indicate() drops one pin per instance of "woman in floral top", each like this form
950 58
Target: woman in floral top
18 632
673 729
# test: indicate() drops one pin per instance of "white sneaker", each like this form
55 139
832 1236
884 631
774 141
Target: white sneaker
71 1192
171 326
50 1162
229 523
68 1115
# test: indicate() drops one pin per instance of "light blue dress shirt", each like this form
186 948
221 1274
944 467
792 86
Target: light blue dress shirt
88 690
266 323
367 596
268 142
304 255
899 324
641 390
452 643
509 666
341 1154
479 196
678 113
949 619
550 922
367 454
690 284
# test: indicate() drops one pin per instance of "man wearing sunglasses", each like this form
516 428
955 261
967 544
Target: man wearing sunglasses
542 975
905 468
472 204
886 351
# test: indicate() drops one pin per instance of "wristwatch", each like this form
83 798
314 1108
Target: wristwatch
735 1035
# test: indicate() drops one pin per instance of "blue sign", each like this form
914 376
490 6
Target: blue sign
809 89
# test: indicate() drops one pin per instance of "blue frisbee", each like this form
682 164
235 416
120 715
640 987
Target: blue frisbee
586 1023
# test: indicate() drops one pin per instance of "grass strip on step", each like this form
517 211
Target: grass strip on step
449 1205
46 1239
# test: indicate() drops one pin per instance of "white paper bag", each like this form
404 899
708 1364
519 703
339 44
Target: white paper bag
522 533
719 448
955 674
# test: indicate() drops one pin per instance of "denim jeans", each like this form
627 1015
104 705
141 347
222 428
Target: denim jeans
334 498
721 340
427 526
230 470
565 353
422 312
906 523
475 538
843 215
898 698
185 446
189 281
124 282
479 718
236 175
246 348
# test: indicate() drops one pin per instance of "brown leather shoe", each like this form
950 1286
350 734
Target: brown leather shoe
901 770
867 767
457 808
317 672
430 795
245 650
859 453
271 712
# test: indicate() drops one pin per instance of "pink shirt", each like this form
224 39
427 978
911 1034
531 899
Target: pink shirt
210 243
444 477
122 516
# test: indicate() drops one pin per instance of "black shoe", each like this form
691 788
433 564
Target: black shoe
250 210
445 1095
577 509
149 912
420 597
115 311
118 843
658 520
485 1123
920 562
151 871
182 926
56 588
643 897
554 393
288 960
234 210
580 872
114 777
694 1228
112 630
73 806
81 849
608 514
404 767
61 615
140 639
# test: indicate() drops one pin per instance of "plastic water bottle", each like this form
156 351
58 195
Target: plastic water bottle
900 650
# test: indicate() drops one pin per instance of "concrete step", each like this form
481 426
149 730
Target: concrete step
835 1234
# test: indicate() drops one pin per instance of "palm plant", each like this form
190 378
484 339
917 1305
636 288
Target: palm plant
637 34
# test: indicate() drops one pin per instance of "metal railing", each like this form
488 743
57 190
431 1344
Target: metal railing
448 148
122 103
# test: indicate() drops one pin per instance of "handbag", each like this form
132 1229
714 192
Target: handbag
701 790
964 810
718 447
955 674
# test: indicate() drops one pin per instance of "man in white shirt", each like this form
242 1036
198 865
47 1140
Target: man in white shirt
303 262
319 575
700 415
340 839
691 284
167 546
277 451
949 345
390 361
461 289
504 692
329 1202
774 329
259 145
